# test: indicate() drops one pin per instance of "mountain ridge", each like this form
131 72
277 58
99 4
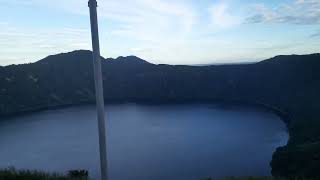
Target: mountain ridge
133 57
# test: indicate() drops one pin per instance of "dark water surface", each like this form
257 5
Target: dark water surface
146 142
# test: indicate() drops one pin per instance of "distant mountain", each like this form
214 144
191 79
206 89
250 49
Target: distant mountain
129 59
288 85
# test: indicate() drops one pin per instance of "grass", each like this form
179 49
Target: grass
13 174
270 178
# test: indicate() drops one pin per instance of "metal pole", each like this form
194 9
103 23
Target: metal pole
99 88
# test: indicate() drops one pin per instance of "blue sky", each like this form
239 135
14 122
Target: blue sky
161 31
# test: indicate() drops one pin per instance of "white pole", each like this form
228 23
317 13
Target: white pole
99 88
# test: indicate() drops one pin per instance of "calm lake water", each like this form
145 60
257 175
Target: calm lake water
152 142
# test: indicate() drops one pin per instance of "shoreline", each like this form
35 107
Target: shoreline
285 117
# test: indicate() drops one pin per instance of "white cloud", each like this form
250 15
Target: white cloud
140 50
17 2
315 35
3 24
221 16
25 45
150 20
294 12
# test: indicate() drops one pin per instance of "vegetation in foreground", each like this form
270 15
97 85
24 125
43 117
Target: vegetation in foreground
13 174
271 178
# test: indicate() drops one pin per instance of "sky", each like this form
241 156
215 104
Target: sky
161 31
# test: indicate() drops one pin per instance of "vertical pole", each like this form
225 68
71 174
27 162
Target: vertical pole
99 88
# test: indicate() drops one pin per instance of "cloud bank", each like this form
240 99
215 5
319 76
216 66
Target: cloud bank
299 12
166 31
